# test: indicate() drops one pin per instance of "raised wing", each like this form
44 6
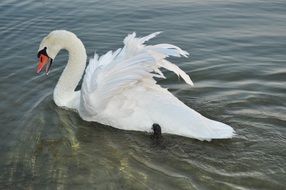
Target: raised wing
134 63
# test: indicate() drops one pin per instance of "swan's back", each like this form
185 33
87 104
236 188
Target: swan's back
119 90
141 108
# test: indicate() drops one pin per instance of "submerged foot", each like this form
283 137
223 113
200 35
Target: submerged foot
157 138
156 131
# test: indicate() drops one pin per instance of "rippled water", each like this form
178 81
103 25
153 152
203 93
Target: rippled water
238 64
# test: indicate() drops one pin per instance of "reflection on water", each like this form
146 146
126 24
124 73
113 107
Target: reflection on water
238 66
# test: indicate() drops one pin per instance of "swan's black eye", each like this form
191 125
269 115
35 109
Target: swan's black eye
43 51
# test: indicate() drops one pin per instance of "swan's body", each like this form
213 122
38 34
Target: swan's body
119 90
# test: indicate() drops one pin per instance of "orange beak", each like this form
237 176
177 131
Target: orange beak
43 60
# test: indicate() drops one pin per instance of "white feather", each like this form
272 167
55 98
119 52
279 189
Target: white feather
119 90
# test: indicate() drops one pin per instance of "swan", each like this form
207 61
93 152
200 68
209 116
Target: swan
118 88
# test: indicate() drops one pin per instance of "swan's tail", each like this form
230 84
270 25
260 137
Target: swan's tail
175 117
218 130
194 125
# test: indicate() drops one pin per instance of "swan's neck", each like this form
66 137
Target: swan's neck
64 92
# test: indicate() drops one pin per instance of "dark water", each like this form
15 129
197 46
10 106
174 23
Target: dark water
238 64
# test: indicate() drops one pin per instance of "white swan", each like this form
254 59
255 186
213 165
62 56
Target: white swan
119 89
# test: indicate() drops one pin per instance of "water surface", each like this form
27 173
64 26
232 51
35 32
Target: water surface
238 53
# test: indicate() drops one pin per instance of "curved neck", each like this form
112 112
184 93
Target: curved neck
64 92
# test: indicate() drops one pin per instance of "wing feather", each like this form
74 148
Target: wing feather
135 62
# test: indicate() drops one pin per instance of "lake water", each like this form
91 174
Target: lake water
238 65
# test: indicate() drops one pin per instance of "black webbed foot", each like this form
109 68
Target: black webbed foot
156 131
157 138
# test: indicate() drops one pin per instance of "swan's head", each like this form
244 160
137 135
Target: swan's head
49 48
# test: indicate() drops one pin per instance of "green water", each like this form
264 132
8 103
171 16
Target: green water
238 65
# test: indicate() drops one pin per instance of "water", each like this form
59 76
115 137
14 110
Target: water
238 65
